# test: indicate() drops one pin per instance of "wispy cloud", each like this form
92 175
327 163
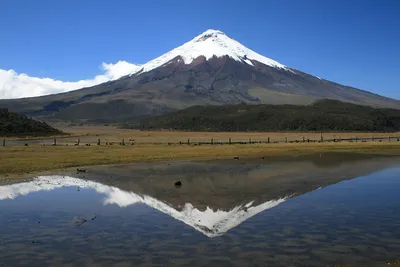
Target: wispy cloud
17 85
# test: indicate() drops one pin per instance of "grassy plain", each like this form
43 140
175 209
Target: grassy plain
90 134
17 159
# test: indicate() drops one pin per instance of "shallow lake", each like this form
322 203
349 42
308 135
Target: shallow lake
309 211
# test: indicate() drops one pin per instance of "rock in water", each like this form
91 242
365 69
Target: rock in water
178 183
78 221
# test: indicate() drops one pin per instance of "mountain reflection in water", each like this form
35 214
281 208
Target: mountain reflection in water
209 222
226 213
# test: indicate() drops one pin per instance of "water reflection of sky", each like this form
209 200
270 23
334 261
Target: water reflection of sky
210 222
351 223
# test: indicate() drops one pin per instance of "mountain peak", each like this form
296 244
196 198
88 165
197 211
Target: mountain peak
209 44
210 33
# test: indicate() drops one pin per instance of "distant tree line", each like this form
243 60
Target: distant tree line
14 124
323 115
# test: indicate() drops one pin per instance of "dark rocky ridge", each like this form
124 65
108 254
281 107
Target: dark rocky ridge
324 115
13 124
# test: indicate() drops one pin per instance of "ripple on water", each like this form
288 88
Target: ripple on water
134 222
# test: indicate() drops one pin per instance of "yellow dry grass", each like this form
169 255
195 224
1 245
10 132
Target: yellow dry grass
90 134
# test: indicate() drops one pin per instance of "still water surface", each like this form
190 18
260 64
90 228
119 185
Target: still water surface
225 214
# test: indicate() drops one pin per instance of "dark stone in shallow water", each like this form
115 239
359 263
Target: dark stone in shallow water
178 183
78 221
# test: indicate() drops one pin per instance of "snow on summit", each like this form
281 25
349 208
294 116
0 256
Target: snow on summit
209 44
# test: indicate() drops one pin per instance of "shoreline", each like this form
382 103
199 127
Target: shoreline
23 162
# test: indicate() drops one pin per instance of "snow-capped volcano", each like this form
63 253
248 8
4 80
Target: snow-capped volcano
210 69
209 44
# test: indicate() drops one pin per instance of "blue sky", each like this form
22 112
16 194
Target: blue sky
350 42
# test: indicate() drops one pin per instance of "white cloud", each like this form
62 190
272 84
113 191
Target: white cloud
14 85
